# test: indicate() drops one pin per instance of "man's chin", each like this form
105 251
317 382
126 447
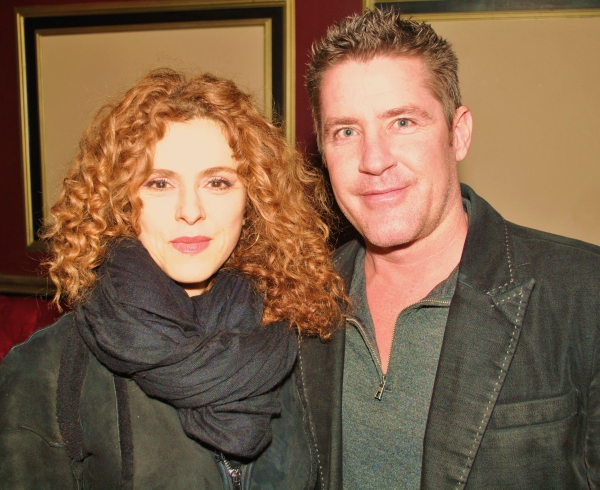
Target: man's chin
390 240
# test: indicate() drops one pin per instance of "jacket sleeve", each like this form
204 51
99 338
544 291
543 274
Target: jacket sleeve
592 437
32 454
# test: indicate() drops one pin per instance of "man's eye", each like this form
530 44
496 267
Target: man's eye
346 132
403 123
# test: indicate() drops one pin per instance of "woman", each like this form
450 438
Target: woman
188 239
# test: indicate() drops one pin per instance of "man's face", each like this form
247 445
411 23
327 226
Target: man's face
390 154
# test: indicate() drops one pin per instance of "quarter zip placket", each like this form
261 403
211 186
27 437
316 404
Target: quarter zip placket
375 352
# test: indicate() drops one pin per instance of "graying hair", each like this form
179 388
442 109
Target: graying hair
384 33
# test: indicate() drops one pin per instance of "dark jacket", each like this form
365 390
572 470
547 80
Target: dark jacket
516 400
128 439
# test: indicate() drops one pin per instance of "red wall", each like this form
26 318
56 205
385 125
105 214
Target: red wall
312 19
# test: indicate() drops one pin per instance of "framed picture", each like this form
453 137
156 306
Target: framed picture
530 77
73 58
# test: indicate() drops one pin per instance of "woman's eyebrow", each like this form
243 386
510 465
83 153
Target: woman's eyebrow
163 172
218 169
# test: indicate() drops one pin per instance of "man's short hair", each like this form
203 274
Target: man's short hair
383 33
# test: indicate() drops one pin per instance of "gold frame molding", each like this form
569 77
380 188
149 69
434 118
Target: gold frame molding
493 14
32 162
30 285
525 12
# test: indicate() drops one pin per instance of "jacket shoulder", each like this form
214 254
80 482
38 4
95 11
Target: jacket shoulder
41 344
562 256
550 241
28 380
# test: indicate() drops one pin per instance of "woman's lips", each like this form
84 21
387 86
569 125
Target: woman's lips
191 244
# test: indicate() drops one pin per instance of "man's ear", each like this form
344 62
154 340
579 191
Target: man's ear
461 132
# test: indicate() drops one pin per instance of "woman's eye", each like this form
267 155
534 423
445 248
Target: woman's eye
157 184
219 183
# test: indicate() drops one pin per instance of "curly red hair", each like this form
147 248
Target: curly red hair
283 245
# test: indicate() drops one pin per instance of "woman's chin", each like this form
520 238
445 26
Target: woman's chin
193 286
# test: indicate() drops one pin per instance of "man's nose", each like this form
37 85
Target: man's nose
376 156
190 208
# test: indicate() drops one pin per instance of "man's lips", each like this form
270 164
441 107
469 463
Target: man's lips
191 244
383 195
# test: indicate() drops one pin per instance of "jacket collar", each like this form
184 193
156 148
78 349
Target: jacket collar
488 264
344 260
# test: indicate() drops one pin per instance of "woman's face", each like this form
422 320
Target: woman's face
193 204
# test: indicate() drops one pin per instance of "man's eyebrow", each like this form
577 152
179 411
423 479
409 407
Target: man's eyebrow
408 110
336 122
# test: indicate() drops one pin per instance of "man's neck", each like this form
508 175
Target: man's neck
397 278
421 265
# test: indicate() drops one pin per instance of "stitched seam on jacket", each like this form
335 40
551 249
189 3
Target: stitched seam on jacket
505 286
507 243
306 426
37 432
312 430
494 396
587 418
512 296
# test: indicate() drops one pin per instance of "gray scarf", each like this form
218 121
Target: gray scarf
208 356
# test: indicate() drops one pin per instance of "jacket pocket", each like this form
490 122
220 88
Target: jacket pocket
533 412
532 445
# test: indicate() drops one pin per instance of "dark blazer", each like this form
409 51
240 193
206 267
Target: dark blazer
516 399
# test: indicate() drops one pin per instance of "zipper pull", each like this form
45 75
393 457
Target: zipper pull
234 472
380 390
236 477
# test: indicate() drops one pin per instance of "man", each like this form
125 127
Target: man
471 356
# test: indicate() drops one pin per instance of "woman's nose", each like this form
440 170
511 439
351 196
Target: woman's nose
190 208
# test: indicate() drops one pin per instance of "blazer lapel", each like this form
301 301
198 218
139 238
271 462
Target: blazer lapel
482 333
479 345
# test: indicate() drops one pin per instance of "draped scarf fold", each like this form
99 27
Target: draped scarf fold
208 355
